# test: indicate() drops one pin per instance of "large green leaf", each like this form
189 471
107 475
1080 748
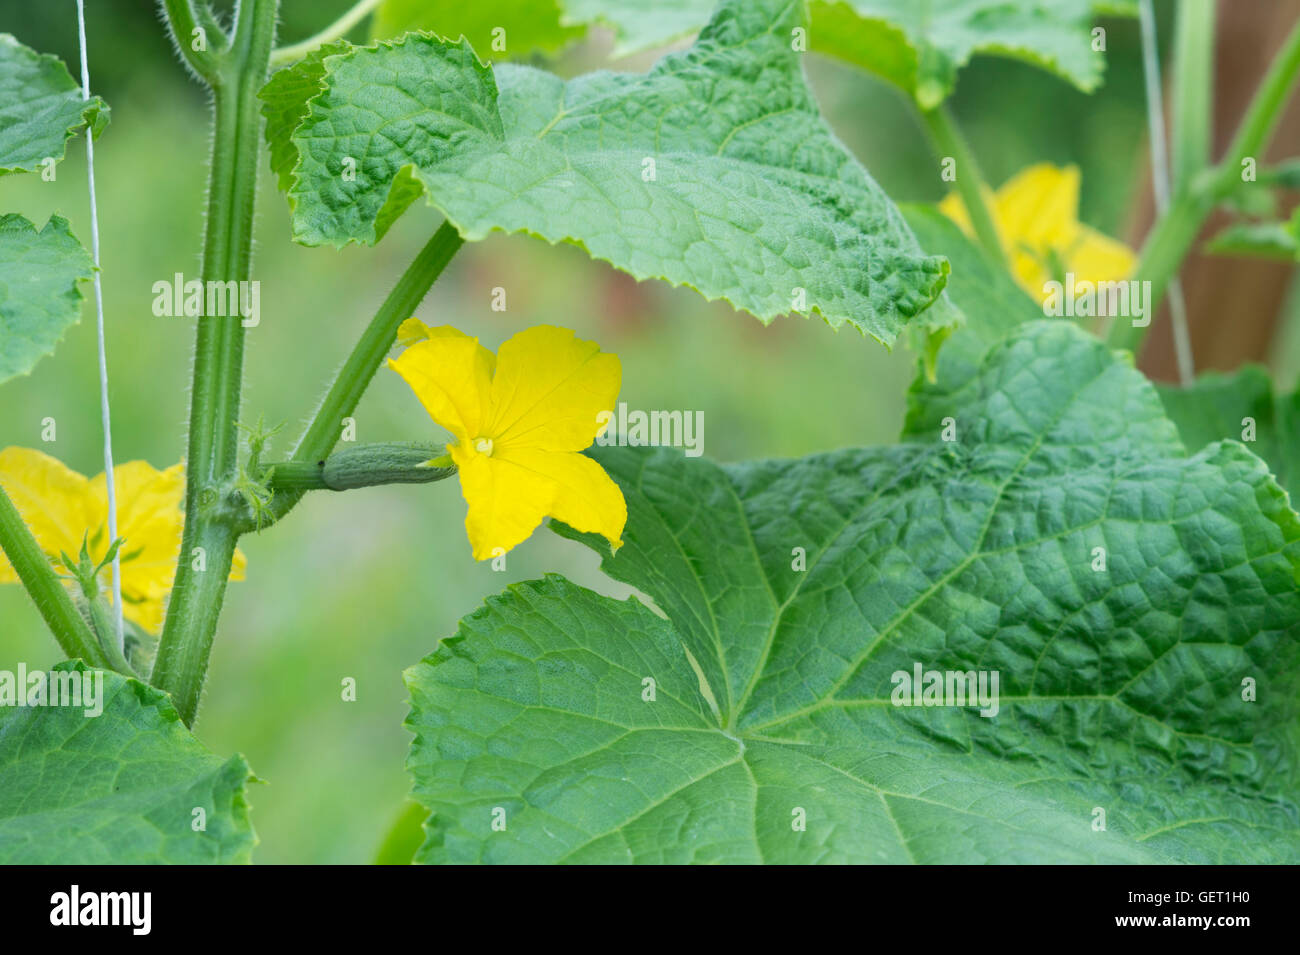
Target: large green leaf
1121 690
1241 406
919 45
119 787
40 107
752 199
39 297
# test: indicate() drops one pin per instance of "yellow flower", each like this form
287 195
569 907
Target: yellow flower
61 507
1036 214
519 420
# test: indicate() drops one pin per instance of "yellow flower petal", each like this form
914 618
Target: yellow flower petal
1036 214
148 614
1099 258
549 390
506 503
451 375
60 506
411 331
149 519
1039 206
586 498
510 492
54 501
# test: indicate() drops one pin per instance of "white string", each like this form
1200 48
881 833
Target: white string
105 418
1160 180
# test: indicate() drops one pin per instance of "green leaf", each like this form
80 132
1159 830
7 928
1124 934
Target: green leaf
285 99
40 107
530 26
39 297
640 26
990 300
120 787
752 199
1241 406
1268 240
920 46
790 593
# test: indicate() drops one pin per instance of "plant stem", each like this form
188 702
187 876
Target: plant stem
334 31
183 20
208 543
1265 110
970 183
105 623
1163 252
46 588
1160 177
1174 232
1193 89
353 379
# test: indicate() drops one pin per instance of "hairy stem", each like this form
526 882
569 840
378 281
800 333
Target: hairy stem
353 379
46 588
184 20
334 31
970 183
208 543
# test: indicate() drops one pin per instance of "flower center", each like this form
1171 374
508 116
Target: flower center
483 446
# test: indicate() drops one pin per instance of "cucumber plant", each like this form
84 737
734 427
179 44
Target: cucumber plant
1119 560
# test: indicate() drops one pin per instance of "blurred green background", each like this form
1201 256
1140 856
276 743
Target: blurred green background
363 584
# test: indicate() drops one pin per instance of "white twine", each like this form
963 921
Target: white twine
105 416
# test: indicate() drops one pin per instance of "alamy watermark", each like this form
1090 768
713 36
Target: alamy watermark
639 429
132 910
1081 298
195 298
79 689
924 687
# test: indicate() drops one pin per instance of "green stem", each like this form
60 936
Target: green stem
1162 254
46 588
339 28
353 379
1174 233
1193 89
184 20
970 183
366 465
104 620
1265 110
208 542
